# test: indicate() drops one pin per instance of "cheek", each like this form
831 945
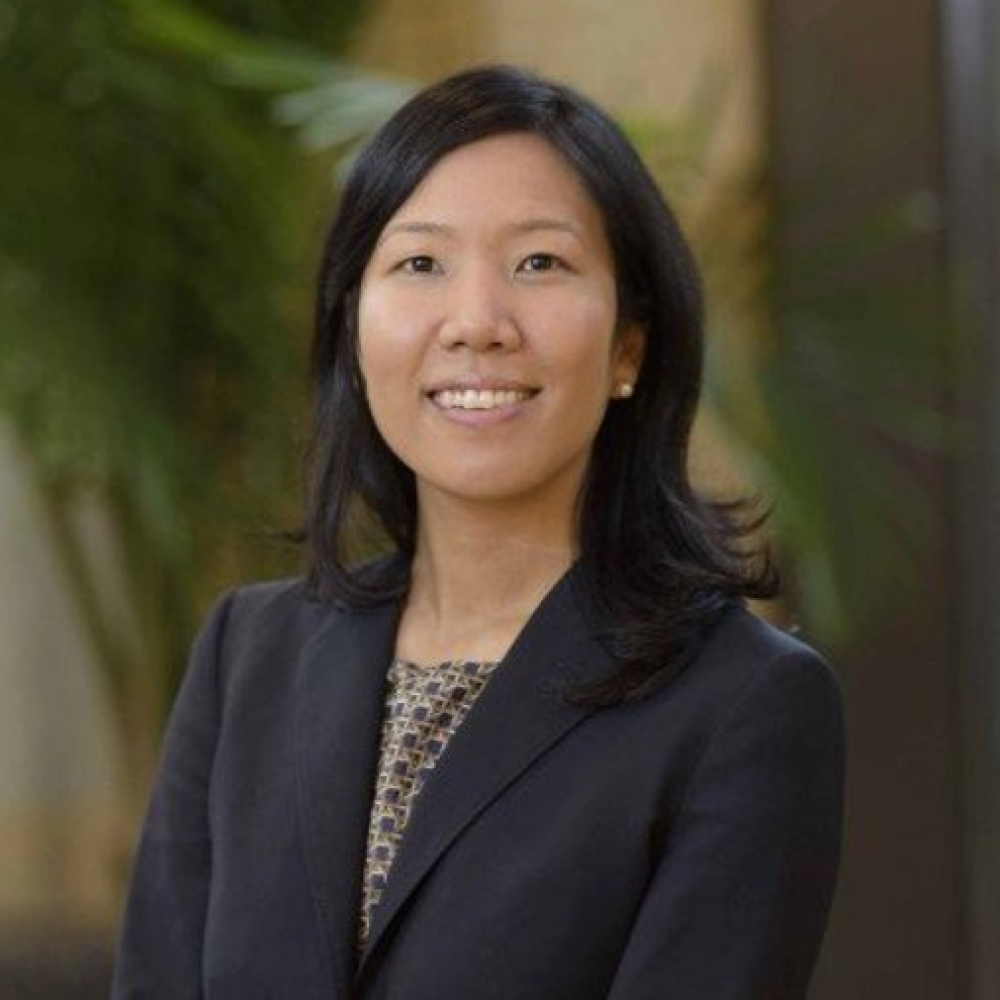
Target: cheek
388 339
579 344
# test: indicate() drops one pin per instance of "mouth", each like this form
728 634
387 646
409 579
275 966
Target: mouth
479 399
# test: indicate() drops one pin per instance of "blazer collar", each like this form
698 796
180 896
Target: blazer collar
519 714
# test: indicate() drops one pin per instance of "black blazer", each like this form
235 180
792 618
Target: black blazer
681 848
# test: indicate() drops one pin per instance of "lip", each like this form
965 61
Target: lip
474 381
494 416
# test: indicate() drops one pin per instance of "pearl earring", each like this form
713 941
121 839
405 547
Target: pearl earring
624 390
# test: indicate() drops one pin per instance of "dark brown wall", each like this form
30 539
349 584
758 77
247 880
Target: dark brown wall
856 112
972 117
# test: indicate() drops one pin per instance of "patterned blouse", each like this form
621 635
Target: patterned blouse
424 707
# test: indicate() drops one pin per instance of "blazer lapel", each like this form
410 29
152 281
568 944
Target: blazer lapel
339 714
516 718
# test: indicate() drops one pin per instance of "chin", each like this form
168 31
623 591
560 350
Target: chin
483 492
509 485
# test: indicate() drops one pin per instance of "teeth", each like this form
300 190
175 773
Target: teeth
479 399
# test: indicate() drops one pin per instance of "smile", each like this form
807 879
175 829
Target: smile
480 399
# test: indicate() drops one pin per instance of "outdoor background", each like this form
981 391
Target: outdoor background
167 168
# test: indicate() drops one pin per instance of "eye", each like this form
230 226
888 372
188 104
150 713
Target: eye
539 262
419 264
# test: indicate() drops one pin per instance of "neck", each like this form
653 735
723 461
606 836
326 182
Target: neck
479 571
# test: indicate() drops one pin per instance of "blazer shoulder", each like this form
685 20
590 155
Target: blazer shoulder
281 615
256 598
268 613
294 595
257 595
759 639
745 648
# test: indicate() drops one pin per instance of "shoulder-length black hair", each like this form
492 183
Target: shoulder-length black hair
659 563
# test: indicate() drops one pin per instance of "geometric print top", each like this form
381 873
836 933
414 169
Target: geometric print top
424 707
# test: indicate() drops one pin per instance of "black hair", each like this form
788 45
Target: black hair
659 563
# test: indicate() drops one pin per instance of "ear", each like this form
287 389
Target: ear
630 349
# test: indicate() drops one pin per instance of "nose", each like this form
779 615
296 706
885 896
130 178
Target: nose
478 313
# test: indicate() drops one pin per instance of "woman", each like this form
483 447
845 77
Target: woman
541 749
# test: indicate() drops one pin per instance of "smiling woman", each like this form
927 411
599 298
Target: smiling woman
541 748
487 337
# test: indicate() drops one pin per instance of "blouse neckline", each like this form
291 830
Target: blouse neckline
409 665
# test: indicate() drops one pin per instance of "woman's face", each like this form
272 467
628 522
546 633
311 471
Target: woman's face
487 326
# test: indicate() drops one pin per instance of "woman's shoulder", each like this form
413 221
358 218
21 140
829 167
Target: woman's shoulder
752 637
285 605
256 596
260 613
244 602
745 652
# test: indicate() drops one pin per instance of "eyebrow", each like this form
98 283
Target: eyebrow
442 229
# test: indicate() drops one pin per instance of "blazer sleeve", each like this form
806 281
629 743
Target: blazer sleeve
160 943
737 904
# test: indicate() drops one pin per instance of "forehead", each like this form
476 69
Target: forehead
502 180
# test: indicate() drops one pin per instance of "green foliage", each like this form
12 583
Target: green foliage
155 233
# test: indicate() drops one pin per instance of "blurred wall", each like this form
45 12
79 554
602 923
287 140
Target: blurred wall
857 92
640 56
972 92
58 780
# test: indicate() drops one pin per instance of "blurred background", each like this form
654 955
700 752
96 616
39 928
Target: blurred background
167 168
